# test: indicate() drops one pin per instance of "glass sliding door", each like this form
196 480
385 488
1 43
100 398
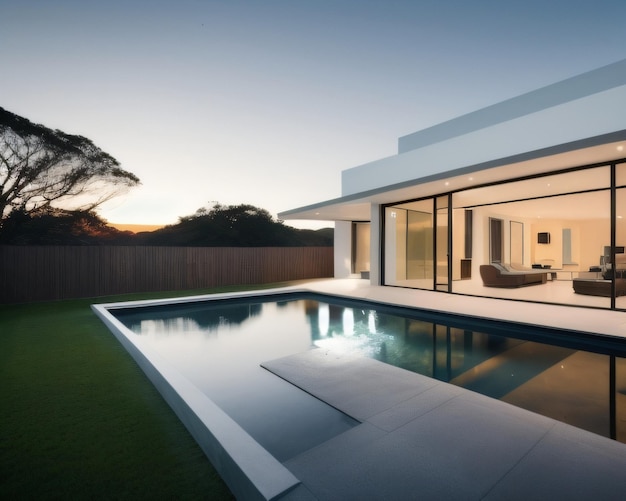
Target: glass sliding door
409 245
620 236
442 244
618 403
564 232
556 225
419 246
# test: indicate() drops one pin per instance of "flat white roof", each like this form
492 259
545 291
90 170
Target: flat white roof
576 122
357 206
592 82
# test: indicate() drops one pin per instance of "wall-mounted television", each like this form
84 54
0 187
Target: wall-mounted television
543 238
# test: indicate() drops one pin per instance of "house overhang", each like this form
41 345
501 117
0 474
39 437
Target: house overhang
573 123
357 207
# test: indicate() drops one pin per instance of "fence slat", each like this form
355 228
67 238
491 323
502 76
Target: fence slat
44 273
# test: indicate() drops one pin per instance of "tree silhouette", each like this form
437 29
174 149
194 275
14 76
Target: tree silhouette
240 225
221 226
43 169
59 227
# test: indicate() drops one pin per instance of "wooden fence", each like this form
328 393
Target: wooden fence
43 273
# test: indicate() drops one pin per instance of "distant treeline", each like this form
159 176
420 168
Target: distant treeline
220 226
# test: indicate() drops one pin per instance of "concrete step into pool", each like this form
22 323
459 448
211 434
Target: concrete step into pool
425 439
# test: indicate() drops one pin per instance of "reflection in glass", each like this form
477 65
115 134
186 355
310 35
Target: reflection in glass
409 241
620 234
442 250
419 245
620 399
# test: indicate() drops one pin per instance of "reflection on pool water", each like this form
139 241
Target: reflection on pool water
219 346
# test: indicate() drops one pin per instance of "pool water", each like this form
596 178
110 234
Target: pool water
219 346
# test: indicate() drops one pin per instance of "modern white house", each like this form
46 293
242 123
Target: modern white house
524 199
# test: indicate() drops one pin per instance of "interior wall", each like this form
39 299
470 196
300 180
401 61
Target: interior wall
375 245
480 240
551 253
481 234
362 251
588 240
517 255
458 242
597 234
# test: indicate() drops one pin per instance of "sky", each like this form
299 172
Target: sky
265 102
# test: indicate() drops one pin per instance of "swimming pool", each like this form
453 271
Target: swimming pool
220 346
216 348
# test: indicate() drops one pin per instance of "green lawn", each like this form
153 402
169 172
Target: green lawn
80 420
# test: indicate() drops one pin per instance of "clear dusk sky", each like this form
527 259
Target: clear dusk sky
266 101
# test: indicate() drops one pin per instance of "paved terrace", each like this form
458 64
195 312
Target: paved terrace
424 439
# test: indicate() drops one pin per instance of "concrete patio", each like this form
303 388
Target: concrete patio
424 439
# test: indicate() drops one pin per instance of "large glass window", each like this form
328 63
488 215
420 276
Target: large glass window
409 240
555 227
418 251
546 239
442 247
617 373
620 236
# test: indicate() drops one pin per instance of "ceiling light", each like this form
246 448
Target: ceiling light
620 148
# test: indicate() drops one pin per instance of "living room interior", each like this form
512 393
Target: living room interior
558 226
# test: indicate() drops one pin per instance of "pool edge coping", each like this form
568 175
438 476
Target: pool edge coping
248 469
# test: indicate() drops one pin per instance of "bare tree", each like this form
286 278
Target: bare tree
42 169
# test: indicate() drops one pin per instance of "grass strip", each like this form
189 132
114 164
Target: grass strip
79 418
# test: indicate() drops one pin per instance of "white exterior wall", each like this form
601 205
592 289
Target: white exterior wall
343 249
594 115
375 239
